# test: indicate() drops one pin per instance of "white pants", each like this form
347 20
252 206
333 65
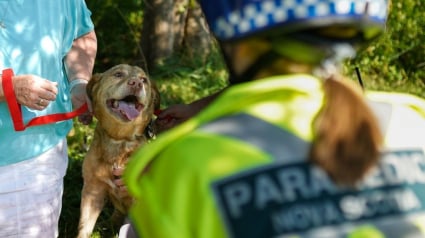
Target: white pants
127 230
31 195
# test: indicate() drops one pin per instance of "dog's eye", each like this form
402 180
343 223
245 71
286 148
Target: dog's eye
118 74
144 79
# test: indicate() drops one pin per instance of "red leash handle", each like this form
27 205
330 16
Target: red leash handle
16 111
9 93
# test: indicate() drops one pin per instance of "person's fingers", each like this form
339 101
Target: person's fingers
34 92
119 182
51 88
42 87
123 191
166 124
44 100
122 188
173 111
39 104
47 95
118 172
165 114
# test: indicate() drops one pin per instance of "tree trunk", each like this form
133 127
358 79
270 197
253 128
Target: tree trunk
173 27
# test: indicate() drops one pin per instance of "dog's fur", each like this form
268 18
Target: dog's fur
123 101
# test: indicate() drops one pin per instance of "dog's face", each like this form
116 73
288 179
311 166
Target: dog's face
123 100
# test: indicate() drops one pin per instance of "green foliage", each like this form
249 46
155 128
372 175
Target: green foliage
184 82
396 61
118 28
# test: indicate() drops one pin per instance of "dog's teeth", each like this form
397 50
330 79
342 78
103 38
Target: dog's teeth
115 104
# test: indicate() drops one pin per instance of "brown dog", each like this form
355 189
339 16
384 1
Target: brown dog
123 101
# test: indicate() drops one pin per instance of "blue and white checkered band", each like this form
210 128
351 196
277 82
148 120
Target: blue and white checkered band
247 16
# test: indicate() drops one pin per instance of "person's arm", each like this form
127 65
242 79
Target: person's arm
80 59
79 64
176 114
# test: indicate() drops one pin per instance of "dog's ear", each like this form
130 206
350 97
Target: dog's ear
151 130
156 96
89 89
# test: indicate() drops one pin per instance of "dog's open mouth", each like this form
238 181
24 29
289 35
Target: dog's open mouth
127 108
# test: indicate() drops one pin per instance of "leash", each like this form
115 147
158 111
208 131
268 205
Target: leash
16 111
157 112
359 77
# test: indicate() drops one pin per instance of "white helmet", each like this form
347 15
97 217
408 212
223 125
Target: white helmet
235 19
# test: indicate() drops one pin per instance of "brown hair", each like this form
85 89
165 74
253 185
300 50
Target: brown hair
347 136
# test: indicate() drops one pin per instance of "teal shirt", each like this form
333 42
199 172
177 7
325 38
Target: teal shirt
36 39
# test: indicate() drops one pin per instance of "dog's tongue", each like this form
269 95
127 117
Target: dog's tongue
128 110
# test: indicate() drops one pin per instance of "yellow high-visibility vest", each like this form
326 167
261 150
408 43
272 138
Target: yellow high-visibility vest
239 169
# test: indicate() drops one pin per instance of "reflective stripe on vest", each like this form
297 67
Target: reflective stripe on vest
281 144
274 140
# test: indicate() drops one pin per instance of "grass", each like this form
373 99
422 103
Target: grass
177 83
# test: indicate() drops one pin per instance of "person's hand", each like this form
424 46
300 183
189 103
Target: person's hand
173 115
79 97
176 114
119 182
33 91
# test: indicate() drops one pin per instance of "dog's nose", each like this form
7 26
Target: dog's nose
136 82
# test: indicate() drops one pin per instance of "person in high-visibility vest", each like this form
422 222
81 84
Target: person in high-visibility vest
292 149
